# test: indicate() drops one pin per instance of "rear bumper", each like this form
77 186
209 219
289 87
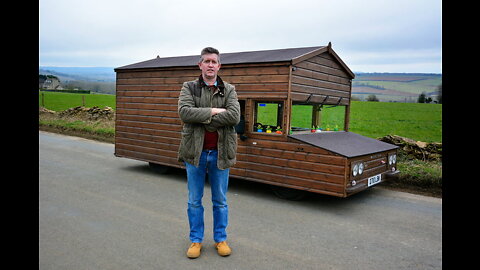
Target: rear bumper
387 176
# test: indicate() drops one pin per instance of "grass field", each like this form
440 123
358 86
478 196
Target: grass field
418 121
61 101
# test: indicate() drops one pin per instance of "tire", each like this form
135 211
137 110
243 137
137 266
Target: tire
161 169
289 193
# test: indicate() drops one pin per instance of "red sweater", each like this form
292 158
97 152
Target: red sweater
210 141
211 138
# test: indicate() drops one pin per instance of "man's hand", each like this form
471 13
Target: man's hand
218 110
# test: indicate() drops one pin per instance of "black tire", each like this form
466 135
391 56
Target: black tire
289 193
161 169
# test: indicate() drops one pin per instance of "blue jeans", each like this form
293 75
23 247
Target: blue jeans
219 185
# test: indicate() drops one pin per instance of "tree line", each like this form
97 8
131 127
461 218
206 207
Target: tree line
423 98
99 87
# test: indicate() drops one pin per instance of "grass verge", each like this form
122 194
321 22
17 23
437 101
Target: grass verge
417 176
101 130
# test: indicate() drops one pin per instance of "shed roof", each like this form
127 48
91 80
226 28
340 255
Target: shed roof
294 55
280 55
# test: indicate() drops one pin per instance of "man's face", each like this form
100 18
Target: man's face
209 66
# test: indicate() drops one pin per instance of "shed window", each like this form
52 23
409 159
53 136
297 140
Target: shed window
268 117
327 117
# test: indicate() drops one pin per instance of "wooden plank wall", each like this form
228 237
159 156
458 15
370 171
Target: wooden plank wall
147 123
258 80
278 160
322 76
148 127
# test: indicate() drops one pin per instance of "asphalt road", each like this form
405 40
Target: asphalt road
98 211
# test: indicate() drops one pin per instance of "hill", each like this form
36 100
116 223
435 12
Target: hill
398 87
95 79
100 74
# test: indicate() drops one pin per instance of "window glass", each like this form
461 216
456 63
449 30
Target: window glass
268 117
333 118
301 116
326 118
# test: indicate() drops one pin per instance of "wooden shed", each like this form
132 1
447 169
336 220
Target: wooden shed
148 126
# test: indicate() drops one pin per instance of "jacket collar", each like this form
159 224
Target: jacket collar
220 84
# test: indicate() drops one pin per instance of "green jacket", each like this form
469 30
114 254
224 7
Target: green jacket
194 108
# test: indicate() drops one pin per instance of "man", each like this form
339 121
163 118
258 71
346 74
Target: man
209 110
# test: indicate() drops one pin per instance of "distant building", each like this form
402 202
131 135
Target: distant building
49 82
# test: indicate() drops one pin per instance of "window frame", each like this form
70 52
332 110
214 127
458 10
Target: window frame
320 116
280 115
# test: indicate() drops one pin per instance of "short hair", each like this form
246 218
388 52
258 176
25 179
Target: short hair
209 50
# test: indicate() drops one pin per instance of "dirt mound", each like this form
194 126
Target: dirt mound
93 113
45 110
415 149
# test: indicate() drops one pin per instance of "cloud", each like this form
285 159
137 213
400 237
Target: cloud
115 33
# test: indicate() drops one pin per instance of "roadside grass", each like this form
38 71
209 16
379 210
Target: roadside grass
417 176
420 173
103 130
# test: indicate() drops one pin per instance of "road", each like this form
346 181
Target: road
98 211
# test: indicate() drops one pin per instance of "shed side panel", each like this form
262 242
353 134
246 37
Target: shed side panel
147 123
321 79
257 81
148 127
291 164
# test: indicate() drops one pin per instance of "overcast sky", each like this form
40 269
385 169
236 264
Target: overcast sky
369 35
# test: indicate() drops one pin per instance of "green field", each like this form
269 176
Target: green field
418 121
61 101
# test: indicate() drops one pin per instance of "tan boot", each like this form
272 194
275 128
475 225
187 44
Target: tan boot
194 250
223 249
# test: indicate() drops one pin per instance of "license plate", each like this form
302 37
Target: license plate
374 180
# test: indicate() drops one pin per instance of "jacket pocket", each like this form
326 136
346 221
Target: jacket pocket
231 144
187 146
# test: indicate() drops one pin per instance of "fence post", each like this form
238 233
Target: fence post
83 100
43 99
